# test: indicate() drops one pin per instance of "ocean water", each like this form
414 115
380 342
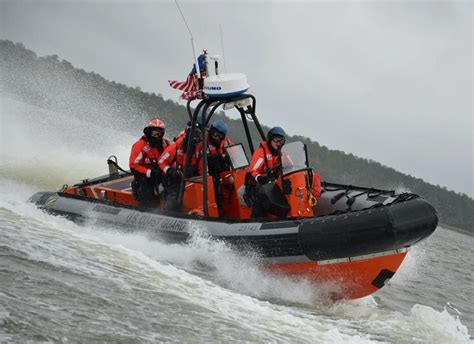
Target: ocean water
64 282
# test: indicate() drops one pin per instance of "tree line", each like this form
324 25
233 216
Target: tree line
55 84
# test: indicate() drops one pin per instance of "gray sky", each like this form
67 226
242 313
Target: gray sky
390 81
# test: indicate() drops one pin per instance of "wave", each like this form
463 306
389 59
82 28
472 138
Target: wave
49 149
61 275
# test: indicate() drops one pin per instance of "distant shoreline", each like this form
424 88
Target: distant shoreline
456 229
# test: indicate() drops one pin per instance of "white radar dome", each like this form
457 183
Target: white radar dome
225 85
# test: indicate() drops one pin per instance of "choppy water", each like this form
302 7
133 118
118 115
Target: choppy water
61 282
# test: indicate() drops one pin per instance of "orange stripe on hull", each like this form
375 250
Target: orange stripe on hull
351 280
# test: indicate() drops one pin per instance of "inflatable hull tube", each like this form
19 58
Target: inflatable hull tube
350 254
387 228
373 230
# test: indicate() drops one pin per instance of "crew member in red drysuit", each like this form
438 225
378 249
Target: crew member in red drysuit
217 159
172 163
143 162
266 166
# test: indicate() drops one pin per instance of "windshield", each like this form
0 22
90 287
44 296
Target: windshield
237 156
293 156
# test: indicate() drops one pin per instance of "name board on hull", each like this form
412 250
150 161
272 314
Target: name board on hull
160 223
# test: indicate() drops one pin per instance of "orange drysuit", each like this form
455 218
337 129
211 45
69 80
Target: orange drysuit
263 161
175 156
143 156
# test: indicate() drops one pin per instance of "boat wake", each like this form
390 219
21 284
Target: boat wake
204 282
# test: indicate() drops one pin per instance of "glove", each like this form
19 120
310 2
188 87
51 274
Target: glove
155 173
172 173
286 187
275 173
262 179
225 159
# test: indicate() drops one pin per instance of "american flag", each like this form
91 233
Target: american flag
190 87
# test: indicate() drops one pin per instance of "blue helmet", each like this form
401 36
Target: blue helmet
274 132
220 126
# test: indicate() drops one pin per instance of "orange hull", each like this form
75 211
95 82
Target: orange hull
350 279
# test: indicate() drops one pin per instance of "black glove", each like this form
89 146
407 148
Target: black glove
172 173
224 159
155 173
262 179
275 173
286 187
249 195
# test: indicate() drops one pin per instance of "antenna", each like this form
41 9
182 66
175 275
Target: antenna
222 44
198 70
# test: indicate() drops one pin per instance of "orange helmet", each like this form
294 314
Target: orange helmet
156 123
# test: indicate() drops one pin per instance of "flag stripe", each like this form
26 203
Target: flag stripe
190 87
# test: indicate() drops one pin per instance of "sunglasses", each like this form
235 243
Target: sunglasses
157 132
279 140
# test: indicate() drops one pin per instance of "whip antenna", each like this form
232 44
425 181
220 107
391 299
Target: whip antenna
198 70
222 44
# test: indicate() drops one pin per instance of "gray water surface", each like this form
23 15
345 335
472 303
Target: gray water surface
62 282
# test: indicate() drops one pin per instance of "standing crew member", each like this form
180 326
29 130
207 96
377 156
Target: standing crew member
264 167
143 162
172 163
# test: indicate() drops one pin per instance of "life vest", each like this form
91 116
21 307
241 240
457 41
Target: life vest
143 157
263 161
180 135
212 150
175 156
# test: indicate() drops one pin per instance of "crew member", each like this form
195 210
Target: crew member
172 163
143 162
218 161
264 168
217 158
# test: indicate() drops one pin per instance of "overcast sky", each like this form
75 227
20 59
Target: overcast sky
387 80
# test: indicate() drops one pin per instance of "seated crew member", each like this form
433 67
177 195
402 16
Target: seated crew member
216 143
143 162
217 159
264 167
172 163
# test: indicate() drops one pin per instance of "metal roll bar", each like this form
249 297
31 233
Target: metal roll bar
213 104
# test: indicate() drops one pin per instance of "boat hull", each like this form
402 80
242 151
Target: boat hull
356 252
348 278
